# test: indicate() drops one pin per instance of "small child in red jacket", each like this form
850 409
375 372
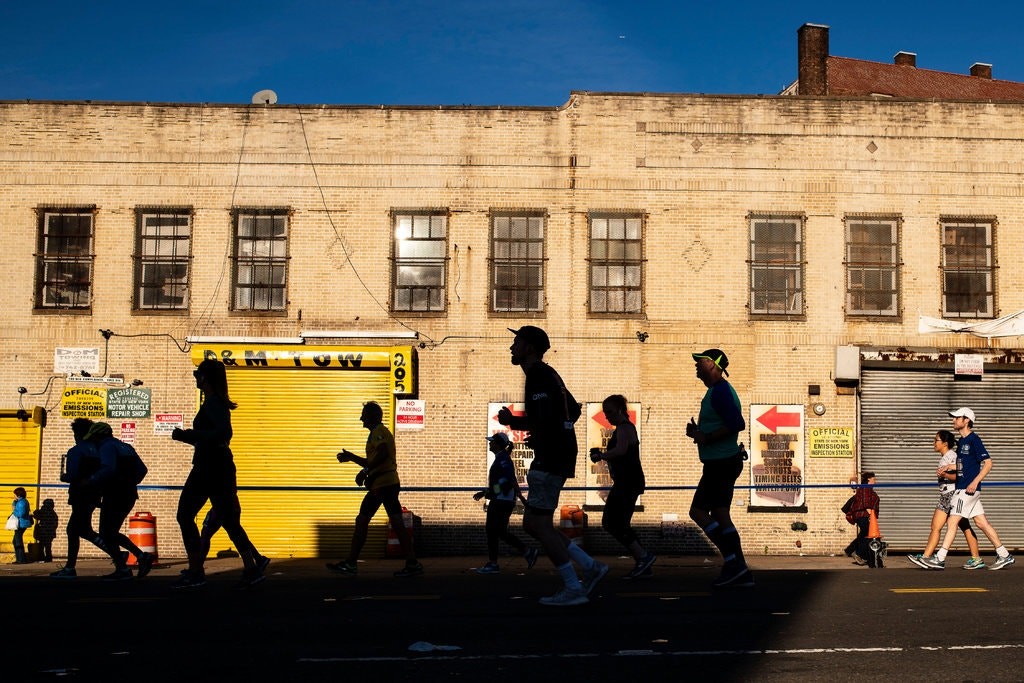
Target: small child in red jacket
865 499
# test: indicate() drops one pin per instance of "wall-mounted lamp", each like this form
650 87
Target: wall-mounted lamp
818 409
641 336
137 382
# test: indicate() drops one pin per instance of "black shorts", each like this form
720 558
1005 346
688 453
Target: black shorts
715 488
386 496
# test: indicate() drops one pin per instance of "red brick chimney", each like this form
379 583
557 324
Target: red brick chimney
905 59
981 70
812 58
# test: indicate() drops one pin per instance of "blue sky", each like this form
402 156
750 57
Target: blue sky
453 52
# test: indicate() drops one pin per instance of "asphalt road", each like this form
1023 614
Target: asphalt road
807 619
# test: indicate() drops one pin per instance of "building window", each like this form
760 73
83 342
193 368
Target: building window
968 268
64 259
517 263
162 254
261 259
420 261
872 266
616 264
776 265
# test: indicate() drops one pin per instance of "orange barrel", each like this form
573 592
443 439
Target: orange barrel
394 548
142 532
573 521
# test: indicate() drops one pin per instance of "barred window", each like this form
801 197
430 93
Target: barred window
64 261
968 269
261 260
616 264
517 263
872 266
162 258
776 265
420 262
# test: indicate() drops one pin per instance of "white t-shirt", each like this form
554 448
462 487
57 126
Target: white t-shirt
945 485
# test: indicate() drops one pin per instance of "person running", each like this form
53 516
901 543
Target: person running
551 413
212 524
502 492
80 463
628 482
380 476
716 435
213 478
945 446
117 480
973 463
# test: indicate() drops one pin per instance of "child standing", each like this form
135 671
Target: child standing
21 520
502 492
46 528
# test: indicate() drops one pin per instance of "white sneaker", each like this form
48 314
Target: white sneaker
1002 562
566 598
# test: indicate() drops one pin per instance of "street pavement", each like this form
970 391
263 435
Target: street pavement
807 619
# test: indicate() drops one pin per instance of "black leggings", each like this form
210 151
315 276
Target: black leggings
498 514
618 513
218 486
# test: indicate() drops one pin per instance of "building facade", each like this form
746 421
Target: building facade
335 254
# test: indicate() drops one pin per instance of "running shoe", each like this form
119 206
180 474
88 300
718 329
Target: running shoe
933 562
919 559
734 575
145 564
974 563
343 567
410 569
566 598
489 568
120 574
190 580
593 576
262 561
531 556
1002 562
65 573
643 567
250 577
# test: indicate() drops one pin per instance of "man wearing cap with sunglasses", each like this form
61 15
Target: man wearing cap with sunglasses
973 464
716 434
551 412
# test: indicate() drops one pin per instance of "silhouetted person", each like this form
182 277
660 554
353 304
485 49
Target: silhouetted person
46 528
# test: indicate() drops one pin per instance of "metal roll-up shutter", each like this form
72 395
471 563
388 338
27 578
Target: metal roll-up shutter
288 426
21 439
901 409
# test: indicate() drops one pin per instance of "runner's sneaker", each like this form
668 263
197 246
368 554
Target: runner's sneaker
531 556
643 567
1002 562
410 569
145 563
919 560
250 577
734 575
190 580
858 560
65 573
489 568
343 567
566 598
974 563
121 574
593 576
262 561
933 563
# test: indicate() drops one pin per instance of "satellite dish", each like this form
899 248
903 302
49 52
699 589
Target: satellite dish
265 97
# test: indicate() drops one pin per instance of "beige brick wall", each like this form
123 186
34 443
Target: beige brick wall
696 166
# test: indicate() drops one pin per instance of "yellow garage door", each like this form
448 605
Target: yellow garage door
21 438
288 427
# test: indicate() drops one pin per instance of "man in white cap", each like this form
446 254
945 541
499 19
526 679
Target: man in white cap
973 464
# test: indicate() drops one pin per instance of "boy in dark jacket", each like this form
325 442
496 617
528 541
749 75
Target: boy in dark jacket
865 499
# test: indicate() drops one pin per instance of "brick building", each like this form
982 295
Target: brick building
339 253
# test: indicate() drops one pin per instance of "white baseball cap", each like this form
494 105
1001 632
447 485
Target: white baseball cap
963 412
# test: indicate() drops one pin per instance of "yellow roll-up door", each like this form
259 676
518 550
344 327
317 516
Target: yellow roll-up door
293 417
21 438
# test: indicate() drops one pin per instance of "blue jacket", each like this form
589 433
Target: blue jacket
21 510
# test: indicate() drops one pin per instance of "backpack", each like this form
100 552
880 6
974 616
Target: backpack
130 468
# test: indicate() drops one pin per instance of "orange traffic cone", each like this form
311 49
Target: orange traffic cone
873 531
